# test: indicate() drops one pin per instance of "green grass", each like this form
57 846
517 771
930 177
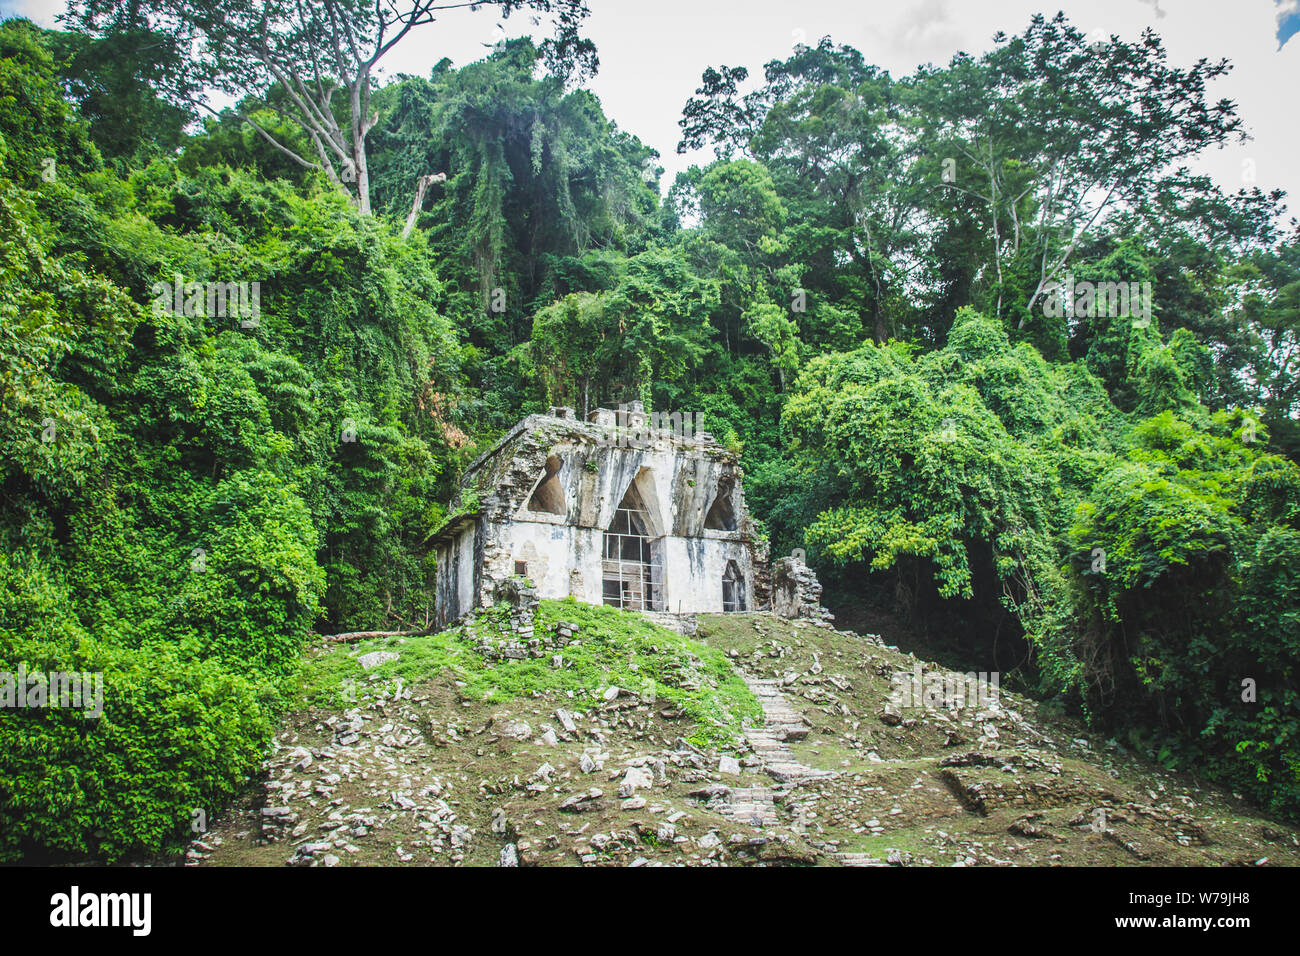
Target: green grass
614 647
914 840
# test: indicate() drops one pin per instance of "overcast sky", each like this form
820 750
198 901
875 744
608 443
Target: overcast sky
652 54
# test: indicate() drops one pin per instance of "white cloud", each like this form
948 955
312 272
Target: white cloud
41 12
926 31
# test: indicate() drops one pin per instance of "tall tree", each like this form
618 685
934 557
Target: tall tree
823 125
536 173
1049 135
320 55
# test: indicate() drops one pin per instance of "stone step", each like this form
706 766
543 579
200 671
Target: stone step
859 859
752 805
795 773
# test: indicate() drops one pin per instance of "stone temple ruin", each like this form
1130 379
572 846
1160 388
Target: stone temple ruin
626 509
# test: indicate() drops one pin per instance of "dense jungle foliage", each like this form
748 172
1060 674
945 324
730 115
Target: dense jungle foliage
856 294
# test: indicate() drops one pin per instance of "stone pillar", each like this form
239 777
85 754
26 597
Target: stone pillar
796 592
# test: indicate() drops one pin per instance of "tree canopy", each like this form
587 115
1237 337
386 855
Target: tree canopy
984 345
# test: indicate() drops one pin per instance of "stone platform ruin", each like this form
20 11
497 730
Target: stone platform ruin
627 509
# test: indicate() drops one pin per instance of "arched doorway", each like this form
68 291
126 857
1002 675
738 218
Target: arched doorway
632 565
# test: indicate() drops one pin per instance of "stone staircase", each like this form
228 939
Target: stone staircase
781 724
687 625
756 806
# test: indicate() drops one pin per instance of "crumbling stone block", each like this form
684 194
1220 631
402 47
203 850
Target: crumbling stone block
796 592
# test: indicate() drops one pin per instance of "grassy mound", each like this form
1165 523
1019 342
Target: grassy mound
613 648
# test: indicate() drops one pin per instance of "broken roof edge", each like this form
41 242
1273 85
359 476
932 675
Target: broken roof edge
628 420
449 528
589 428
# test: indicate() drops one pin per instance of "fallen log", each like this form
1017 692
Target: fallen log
349 637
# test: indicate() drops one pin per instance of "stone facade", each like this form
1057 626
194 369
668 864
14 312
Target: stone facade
627 509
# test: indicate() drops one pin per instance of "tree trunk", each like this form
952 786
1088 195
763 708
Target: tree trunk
422 185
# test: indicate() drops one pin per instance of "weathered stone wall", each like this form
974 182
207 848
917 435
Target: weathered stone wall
695 567
678 479
455 575
562 560
759 551
796 592
566 561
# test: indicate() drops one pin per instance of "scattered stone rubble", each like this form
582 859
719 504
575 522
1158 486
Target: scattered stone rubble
509 632
422 776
